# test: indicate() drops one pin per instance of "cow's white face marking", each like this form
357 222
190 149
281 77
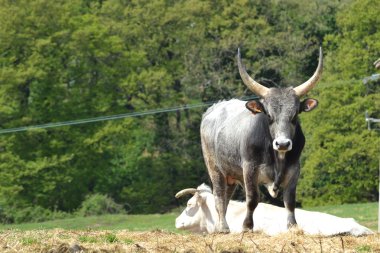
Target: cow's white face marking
282 144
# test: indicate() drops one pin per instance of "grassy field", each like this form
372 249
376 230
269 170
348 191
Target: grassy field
105 222
156 233
365 214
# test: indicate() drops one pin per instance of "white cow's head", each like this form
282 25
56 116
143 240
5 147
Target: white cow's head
197 216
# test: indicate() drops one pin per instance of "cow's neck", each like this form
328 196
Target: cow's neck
280 168
210 216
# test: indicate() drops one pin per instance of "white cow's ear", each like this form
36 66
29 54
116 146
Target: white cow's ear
200 198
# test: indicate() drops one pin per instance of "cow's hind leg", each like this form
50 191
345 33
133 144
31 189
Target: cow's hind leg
219 190
219 184
230 191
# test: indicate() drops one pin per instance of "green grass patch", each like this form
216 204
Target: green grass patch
110 238
105 222
28 241
88 239
364 248
128 241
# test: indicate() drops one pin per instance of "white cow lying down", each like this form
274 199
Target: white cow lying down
200 216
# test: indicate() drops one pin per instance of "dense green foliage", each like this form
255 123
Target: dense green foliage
355 44
340 162
65 60
98 204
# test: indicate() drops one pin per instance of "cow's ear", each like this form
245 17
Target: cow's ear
254 106
308 105
200 198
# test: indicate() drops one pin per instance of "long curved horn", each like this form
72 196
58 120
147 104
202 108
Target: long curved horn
254 86
186 191
309 84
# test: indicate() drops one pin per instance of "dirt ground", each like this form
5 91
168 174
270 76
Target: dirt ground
62 241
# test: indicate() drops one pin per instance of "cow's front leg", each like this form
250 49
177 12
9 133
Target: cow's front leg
290 204
290 198
251 196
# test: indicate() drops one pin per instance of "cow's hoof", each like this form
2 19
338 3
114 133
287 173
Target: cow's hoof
248 225
223 231
292 226
294 229
247 230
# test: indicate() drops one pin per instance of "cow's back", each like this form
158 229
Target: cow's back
218 116
224 128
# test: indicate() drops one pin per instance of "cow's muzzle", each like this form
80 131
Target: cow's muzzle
179 224
282 144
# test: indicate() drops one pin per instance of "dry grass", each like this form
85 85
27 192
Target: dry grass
159 241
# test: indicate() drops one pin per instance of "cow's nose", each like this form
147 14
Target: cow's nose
179 223
282 144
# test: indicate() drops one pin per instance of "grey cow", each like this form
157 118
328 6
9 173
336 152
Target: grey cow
256 142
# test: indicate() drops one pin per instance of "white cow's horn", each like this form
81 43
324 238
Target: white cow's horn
186 191
309 84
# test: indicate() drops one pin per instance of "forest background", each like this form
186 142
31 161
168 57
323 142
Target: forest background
67 59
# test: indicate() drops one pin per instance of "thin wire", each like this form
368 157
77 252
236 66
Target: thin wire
110 117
